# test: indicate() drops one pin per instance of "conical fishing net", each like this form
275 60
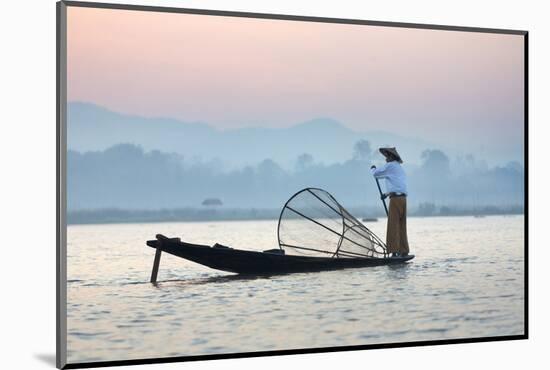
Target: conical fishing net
313 223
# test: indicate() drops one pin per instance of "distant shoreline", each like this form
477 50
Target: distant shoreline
120 216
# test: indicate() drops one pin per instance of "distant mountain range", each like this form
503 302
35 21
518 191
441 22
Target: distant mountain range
92 128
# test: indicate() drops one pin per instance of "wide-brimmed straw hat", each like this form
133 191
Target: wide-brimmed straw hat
391 152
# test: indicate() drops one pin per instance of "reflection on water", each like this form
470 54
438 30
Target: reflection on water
466 281
212 279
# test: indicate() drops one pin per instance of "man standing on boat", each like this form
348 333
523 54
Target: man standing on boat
396 187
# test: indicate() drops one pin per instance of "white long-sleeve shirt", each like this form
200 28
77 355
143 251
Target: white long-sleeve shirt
396 180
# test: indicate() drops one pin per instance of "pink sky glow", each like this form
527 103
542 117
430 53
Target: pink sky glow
237 72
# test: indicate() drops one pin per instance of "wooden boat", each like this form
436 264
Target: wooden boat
369 219
314 233
273 261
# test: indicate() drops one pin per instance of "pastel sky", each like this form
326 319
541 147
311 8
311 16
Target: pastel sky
459 87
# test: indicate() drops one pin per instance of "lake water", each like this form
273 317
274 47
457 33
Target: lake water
467 280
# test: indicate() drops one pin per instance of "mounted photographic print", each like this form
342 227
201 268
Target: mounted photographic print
237 184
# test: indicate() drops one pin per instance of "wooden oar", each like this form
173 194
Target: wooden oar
382 197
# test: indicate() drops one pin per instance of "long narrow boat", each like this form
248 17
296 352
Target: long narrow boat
314 232
250 262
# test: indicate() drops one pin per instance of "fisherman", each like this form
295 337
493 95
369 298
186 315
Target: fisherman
396 187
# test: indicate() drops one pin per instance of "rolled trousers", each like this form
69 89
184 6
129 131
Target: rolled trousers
396 235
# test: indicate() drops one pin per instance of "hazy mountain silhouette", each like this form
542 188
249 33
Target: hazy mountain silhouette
92 128
140 163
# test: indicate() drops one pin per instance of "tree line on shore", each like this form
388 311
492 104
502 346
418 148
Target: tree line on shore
125 177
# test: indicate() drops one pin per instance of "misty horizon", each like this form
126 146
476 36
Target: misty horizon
127 177
87 112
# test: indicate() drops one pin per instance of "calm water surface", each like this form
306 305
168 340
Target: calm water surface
467 280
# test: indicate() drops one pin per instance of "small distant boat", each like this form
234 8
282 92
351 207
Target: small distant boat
272 261
370 219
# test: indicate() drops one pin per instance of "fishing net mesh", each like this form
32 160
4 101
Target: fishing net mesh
313 223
